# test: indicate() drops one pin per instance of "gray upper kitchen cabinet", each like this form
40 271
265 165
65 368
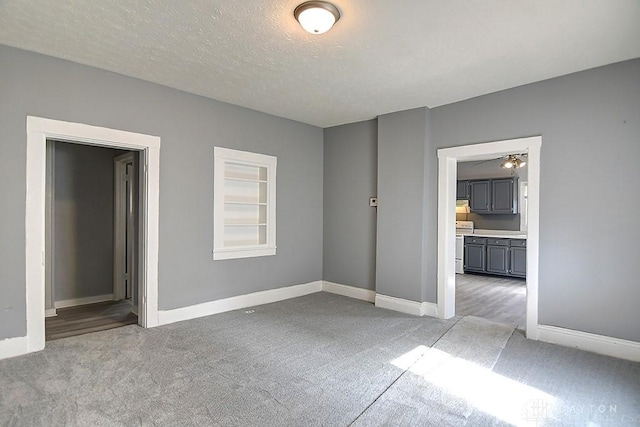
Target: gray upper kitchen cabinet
462 190
498 256
479 192
494 196
504 196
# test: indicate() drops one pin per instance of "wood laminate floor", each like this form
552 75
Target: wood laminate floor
88 318
500 299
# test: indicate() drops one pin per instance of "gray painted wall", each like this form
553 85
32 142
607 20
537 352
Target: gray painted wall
190 126
84 206
492 222
349 227
588 261
588 265
590 127
402 139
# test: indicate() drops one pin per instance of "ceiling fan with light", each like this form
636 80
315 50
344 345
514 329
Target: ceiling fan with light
513 161
510 161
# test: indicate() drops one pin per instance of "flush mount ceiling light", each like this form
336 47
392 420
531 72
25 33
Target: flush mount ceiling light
513 161
316 17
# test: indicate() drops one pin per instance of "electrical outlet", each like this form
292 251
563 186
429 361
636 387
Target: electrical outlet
373 202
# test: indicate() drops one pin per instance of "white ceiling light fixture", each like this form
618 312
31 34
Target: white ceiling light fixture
316 17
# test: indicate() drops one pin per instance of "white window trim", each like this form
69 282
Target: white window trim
221 156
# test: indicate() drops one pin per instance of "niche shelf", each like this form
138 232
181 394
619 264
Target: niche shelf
244 204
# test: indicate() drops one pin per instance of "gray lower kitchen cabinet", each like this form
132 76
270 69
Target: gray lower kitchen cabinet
498 256
475 250
518 261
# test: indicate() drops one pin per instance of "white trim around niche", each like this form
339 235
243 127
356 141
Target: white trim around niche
447 171
226 243
38 131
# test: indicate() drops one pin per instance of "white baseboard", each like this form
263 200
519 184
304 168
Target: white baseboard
600 344
349 291
12 347
82 301
235 303
50 312
407 306
429 309
399 304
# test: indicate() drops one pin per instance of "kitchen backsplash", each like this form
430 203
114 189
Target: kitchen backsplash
492 222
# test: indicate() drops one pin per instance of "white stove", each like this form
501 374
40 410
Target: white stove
462 228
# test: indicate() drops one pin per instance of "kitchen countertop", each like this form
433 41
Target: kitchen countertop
500 234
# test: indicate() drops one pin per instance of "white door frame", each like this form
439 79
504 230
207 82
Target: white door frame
50 238
38 131
120 225
447 177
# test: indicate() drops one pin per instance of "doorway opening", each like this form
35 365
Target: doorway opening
491 246
39 130
92 233
447 182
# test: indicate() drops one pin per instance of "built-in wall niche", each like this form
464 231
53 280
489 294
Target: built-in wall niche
244 204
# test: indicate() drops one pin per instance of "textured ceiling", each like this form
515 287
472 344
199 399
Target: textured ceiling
382 56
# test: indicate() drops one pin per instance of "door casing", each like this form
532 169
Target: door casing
447 179
38 131
124 242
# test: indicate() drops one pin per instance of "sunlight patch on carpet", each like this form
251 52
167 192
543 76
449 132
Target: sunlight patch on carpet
483 389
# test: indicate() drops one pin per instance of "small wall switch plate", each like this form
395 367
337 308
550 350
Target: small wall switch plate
373 202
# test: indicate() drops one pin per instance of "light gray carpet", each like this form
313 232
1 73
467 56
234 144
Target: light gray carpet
321 359
437 387
581 388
